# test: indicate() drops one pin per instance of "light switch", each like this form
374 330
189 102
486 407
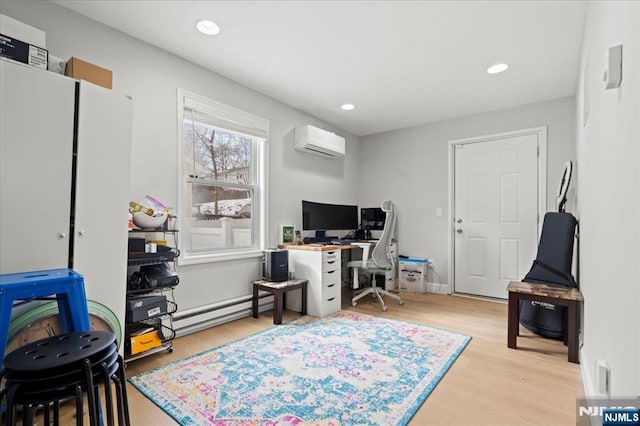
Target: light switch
438 212
613 74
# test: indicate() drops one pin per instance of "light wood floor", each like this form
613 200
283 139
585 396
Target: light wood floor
489 384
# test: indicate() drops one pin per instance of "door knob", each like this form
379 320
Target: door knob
82 232
459 231
458 220
62 236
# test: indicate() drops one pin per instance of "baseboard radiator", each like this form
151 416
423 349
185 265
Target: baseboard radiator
202 317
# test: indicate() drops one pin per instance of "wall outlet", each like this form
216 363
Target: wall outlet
602 377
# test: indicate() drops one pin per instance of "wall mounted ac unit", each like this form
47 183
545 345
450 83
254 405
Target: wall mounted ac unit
316 141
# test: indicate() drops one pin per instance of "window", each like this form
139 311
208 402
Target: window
221 164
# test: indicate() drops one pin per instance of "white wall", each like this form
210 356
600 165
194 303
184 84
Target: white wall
410 166
608 198
151 76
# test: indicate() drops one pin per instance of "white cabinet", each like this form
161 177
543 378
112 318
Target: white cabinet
64 202
323 270
100 240
36 143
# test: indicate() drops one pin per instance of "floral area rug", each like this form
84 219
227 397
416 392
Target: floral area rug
349 368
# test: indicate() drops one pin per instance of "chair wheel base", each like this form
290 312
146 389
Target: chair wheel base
401 302
354 304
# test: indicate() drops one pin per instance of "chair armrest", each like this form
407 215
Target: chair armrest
365 252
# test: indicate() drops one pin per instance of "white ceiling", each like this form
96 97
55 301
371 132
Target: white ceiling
402 63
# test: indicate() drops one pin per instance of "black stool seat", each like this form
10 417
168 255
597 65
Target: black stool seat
61 380
56 368
64 372
58 351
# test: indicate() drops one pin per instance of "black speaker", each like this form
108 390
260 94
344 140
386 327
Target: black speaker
276 265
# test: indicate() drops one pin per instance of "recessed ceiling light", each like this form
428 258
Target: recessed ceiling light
347 107
207 27
497 68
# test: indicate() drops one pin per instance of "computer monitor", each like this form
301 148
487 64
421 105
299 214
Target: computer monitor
328 217
373 217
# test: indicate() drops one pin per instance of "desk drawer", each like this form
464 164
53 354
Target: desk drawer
329 306
331 290
331 257
331 277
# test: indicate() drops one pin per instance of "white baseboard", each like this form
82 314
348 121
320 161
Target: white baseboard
587 380
437 288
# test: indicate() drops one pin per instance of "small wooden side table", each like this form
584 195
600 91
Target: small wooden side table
546 293
279 290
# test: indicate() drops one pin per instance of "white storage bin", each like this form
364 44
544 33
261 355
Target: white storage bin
413 274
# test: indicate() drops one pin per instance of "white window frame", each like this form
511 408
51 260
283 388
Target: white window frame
235 120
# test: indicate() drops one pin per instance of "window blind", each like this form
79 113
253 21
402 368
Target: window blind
213 113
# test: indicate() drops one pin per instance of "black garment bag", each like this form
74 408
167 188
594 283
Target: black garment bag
551 266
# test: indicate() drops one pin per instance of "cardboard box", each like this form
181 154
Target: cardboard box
26 53
144 342
82 70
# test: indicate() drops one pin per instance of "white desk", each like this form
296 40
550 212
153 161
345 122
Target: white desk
322 267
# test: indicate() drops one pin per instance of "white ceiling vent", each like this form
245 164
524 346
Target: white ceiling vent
313 140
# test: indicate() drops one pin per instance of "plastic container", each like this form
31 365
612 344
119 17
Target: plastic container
413 274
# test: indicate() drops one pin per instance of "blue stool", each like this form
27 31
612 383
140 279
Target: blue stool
67 286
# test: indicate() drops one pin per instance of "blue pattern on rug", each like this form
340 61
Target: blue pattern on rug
349 368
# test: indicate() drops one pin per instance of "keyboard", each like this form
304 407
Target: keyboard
340 242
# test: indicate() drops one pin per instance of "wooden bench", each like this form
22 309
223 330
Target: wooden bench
545 293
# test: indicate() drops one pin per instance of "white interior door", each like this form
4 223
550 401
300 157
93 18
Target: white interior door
495 213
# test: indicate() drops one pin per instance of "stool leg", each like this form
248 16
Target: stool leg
6 304
28 413
11 408
119 400
107 393
123 381
96 395
56 413
91 396
79 414
47 418
73 309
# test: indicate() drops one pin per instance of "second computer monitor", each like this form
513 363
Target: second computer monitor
372 217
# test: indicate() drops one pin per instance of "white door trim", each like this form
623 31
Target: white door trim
541 133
